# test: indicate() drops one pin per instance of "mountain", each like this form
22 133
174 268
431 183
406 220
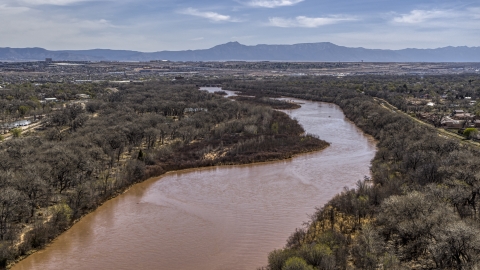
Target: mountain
318 52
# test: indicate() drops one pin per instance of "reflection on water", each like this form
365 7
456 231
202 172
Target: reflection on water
216 89
216 218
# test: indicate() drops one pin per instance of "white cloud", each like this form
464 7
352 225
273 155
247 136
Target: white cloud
307 22
419 16
213 16
439 19
273 3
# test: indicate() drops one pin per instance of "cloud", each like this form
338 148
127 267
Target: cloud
307 22
273 3
4 9
43 29
419 16
213 16
439 19
52 2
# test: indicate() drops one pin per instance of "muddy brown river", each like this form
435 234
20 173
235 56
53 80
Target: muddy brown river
220 217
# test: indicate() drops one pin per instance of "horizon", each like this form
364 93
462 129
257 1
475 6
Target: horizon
153 25
91 49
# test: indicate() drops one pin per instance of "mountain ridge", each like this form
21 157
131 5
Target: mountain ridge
231 51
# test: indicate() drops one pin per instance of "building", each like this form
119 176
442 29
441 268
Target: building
463 116
51 100
448 122
83 96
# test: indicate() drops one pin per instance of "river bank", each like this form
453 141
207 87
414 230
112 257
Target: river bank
224 212
286 156
187 157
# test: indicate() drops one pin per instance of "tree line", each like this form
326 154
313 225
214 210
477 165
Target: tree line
419 210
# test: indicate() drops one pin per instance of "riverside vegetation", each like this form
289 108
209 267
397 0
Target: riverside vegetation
86 154
420 208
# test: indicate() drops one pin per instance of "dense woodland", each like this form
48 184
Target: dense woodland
85 153
420 209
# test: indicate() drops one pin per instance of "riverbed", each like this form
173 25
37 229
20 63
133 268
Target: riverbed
227 217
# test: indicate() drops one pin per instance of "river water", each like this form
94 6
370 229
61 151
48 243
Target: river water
220 217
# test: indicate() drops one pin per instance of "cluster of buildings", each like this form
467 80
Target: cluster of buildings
77 71
460 119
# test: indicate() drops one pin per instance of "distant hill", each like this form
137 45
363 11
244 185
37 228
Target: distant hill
321 52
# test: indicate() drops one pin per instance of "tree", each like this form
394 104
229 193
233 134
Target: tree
66 167
278 257
412 220
16 132
11 202
23 110
296 263
367 248
151 135
470 133
33 187
457 246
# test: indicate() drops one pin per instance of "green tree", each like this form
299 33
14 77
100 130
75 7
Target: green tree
16 132
278 257
296 263
141 155
275 127
470 133
23 110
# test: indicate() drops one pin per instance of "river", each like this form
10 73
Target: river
226 217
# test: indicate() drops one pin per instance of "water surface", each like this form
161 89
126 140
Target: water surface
216 218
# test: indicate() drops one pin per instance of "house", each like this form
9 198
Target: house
448 122
51 100
194 110
463 116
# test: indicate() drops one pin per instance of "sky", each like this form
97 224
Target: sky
157 25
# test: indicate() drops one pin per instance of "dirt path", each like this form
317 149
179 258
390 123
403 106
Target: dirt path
441 132
31 127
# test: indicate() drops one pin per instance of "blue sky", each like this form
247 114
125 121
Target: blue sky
156 25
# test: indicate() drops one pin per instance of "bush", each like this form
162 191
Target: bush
319 255
278 257
296 263
16 132
470 133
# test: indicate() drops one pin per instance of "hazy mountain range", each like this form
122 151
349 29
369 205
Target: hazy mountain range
321 52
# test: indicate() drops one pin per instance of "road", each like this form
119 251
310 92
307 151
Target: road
31 127
441 132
